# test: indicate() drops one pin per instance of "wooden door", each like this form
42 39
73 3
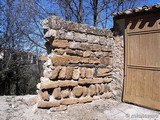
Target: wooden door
142 61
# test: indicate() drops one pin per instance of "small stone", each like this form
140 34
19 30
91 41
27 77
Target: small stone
102 90
69 101
62 73
60 43
102 72
74 45
90 81
106 95
77 91
65 93
98 88
60 108
89 72
44 79
85 91
94 60
55 73
92 90
103 40
47 73
85 99
60 60
96 47
74 59
67 83
108 80
105 60
69 73
76 73
57 93
46 104
84 60
43 95
49 84
83 72
87 53
85 46
59 51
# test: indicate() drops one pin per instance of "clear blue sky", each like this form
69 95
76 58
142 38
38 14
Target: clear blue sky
150 2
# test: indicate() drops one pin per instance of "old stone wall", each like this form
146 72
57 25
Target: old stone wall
84 64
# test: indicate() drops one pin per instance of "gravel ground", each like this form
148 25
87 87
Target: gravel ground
24 108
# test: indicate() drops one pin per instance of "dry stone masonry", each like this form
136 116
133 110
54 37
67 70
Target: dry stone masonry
80 65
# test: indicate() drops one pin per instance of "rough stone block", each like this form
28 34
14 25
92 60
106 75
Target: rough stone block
106 49
92 90
62 73
82 72
47 73
67 83
98 54
80 37
102 72
57 93
84 60
60 108
85 46
69 73
46 104
69 101
44 79
108 80
105 60
98 88
89 72
77 91
70 52
74 59
94 60
74 45
85 99
106 95
102 40
90 81
49 84
43 95
60 43
76 73
55 72
92 39
65 93
59 51
87 53
96 47
60 60
102 90
85 91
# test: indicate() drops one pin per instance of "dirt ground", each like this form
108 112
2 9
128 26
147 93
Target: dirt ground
24 108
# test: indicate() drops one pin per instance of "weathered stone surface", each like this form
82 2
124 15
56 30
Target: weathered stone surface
89 72
105 60
60 43
76 73
106 95
57 93
55 72
60 60
80 37
85 91
79 53
74 59
96 47
98 54
98 88
69 73
107 80
77 91
94 60
85 99
69 35
103 40
84 60
59 51
85 46
43 95
69 101
46 104
65 93
82 72
74 45
106 49
62 73
67 83
87 53
92 39
92 90
49 84
102 72
60 108
70 52
102 90
90 81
